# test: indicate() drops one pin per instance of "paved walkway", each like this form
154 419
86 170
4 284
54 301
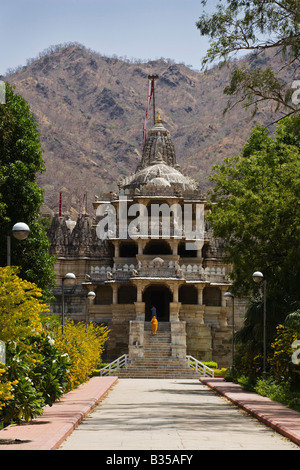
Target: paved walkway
164 414
157 414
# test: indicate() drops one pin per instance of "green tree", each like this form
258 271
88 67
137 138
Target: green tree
256 26
255 208
20 196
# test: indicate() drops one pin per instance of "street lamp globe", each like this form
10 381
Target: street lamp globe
69 278
20 231
228 295
91 295
257 276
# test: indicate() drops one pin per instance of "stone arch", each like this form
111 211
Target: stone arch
188 294
160 296
158 247
212 296
127 294
104 295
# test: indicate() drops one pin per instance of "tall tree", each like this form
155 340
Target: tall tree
255 208
20 196
257 26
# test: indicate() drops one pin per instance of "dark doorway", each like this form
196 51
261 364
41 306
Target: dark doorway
159 296
188 295
157 247
128 250
127 294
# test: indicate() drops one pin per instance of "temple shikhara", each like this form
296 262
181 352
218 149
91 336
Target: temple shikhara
145 259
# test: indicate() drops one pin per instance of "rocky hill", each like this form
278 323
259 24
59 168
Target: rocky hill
90 110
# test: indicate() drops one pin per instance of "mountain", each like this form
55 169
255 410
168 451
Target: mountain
90 110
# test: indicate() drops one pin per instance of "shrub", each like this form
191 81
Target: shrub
49 369
40 367
20 306
25 402
35 375
282 367
5 388
84 344
211 364
280 392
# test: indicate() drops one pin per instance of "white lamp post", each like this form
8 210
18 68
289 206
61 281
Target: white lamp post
69 279
229 295
20 231
90 296
258 277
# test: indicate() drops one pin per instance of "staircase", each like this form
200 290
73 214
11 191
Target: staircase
157 361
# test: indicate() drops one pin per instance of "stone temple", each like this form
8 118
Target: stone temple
149 245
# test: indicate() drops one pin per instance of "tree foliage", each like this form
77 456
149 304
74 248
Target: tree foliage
255 208
20 196
255 26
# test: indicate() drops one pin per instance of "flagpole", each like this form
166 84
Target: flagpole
153 78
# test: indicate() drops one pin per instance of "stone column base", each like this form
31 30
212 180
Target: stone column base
178 339
174 311
136 339
139 311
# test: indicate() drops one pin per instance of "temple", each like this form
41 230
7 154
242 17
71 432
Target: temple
149 245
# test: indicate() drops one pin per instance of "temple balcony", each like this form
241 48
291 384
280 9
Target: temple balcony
158 267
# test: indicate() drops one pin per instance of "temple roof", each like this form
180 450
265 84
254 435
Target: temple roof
158 166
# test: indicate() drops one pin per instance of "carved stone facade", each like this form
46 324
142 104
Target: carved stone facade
140 261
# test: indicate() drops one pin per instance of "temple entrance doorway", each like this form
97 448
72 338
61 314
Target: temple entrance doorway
160 297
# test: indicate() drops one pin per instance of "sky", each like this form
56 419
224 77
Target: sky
137 29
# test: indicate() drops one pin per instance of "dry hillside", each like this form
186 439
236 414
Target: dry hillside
90 110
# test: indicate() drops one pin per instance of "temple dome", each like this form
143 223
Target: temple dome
161 176
158 165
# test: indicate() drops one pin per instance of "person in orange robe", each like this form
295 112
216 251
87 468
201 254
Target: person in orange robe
154 323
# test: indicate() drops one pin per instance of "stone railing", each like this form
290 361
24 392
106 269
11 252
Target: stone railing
198 366
113 367
158 267
196 271
119 271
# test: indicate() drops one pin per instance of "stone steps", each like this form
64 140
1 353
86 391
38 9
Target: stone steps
157 361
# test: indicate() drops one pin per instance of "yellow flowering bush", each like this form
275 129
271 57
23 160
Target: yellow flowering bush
84 345
39 367
6 388
20 306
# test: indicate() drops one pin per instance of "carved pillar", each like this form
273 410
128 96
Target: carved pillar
200 288
115 292
139 292
117 248
223 299
175 293
140 246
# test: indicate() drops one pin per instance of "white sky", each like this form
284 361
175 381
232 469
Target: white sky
143 29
